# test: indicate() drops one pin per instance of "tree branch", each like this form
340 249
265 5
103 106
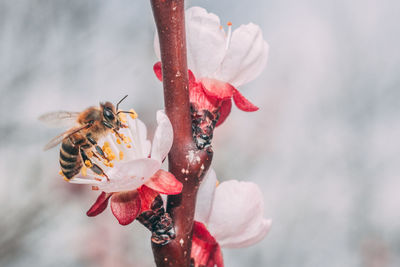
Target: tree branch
186 161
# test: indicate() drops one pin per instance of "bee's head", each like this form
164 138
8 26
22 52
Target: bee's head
110 117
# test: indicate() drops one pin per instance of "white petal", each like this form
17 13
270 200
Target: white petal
129 175
163 137
205 41
240 206
205 197
78 180
252 237
138 134
246 56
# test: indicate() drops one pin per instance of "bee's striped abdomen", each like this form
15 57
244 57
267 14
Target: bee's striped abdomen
70 159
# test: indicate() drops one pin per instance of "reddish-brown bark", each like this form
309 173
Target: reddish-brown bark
186 161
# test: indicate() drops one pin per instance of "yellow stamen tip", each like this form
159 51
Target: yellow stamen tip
133 115
122 117
121 155
88 163
108 151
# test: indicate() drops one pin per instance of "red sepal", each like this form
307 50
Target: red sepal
200 99
217 89
192 78
158 70
165 183
242 103
224 111
125 206
217 259
100 205
205 249
147 196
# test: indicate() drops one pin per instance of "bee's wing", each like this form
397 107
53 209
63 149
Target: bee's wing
60 118
58 139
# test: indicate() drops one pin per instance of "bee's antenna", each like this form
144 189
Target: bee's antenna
121 101
123 111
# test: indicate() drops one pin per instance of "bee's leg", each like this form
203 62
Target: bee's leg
98 148
93 166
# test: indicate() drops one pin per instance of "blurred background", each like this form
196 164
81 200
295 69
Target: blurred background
324 146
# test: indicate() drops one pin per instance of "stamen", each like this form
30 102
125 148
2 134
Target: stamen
229 36
122 117
95 188
133 115
121 155
118 141
108 164
88 164
108 151
98 179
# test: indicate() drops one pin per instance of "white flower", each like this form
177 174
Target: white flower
134 160
220 62
229 215
237 204
133 178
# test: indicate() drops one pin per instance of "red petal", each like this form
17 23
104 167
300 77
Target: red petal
125 206
218 89
165 183
224 111
100 205
205 249
192 78
157 70
218 259
147 196
242 103
200 232
200 99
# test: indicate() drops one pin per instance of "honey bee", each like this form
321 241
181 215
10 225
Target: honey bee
76 143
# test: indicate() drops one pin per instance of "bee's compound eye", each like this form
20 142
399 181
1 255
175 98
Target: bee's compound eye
107 113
